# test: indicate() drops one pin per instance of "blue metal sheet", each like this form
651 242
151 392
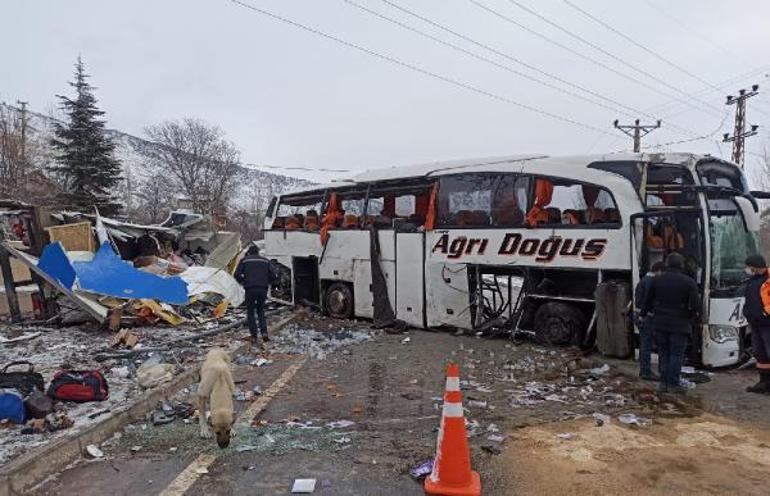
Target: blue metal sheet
55 263
108 274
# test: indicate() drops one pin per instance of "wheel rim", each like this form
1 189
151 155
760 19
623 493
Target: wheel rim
336 302
556 331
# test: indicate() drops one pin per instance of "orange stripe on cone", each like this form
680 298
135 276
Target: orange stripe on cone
452 474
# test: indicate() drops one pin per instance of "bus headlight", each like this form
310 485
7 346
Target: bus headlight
723 333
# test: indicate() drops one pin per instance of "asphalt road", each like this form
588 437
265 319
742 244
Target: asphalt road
390 390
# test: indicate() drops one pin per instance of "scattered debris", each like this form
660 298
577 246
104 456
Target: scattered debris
153 375
422 469
491 449
94 452
296 340
601 419
340 424
631 419
303 486
24 337
565 435
598 371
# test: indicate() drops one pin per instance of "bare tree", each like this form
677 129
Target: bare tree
198 159
16 152
156 195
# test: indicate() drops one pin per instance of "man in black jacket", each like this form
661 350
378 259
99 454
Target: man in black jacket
645 330
255 273
674 302
757 294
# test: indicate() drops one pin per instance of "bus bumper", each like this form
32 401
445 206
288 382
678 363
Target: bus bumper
721 346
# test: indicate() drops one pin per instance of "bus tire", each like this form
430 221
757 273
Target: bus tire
338 300
559 324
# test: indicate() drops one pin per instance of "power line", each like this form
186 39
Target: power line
417 69
750 75
611 55
697 138
632 111
680 24
482 58
575 52
639 45
307 169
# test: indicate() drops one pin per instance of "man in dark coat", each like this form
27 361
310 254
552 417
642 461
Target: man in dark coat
674 303
255 273
756 308
645 330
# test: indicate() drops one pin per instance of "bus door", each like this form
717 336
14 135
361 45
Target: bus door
410 278
656 234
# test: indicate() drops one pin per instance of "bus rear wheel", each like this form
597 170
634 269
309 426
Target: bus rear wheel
559 324
338 300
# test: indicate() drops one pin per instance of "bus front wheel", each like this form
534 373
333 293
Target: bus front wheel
559 324
338 300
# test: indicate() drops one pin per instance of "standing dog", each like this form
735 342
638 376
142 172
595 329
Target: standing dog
216 388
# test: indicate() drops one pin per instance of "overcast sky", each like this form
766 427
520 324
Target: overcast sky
292 98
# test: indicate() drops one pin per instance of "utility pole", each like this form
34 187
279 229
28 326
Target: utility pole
637 131
740 133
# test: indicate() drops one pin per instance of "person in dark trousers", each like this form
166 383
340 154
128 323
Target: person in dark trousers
757 311
255 273
672 303
645 330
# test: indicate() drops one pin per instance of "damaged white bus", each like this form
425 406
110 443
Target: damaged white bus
549 245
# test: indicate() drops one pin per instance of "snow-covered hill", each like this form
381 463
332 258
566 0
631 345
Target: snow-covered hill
254 190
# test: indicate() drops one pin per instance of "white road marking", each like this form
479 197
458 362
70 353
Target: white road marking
200 465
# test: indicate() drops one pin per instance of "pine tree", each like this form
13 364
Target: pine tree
86 161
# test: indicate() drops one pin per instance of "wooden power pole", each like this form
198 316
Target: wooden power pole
740 133
637 132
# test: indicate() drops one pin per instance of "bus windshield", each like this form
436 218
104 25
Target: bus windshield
731 243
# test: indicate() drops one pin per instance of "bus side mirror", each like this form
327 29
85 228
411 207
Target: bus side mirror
746 209
761 195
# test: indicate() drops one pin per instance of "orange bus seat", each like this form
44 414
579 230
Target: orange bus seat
293 223
279 223
311 222
554 215
611 215
350 221
594 215
571 217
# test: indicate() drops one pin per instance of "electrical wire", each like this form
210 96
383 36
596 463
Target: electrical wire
308 169
690 140
635 112
707 90
613 56
482 58
639 45
584 56
680 24
414 68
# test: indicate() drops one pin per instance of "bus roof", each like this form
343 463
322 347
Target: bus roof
541 163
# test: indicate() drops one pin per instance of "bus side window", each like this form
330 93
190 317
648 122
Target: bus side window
297 214
390 208
571 203
482 200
